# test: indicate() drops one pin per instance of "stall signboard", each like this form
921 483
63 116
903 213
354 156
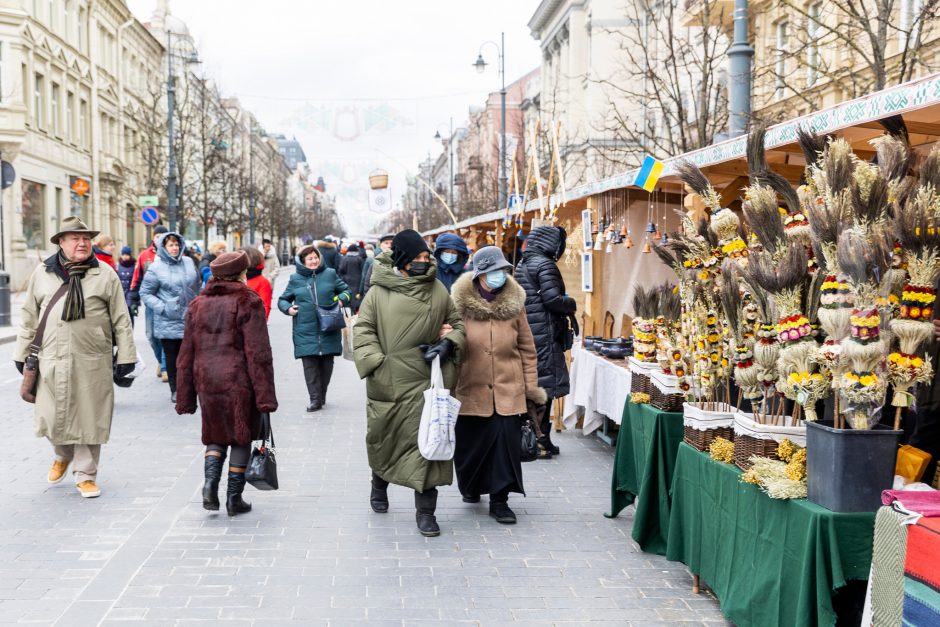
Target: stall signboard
587 272
586 226
79 185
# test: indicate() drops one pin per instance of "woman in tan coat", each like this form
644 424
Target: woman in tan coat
499 372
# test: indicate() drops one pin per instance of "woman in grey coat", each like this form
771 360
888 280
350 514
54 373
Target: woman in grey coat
169 286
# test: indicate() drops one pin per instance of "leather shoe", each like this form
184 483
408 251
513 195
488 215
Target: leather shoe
471 499
502 513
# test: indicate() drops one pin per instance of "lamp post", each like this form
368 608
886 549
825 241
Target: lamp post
480 66
172 196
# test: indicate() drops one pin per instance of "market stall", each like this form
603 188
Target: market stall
599 390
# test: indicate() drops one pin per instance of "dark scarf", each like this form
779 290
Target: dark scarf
253 272
486 294
74 308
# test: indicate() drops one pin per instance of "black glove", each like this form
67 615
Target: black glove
19 365
133 310
442 348
122 370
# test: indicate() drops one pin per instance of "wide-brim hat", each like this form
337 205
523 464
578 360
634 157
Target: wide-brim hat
73 224
230 264
489 259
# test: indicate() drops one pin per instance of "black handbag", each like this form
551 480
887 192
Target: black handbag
530 443
330 318
262 465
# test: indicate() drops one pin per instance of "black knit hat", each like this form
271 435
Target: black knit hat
407 245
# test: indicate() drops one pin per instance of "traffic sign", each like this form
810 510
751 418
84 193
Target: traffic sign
147 201
149 216
79 185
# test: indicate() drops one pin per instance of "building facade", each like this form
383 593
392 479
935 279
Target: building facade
72 73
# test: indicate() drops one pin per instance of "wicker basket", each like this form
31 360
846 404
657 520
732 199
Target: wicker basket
701 440
701 426
665 393
640 372
378 179
752 439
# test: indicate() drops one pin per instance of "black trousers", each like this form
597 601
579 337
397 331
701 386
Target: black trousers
318 370
171 348
545 426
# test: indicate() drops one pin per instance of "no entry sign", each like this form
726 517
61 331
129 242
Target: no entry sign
149 216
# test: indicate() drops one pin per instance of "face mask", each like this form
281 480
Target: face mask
495 280
448 258
419 268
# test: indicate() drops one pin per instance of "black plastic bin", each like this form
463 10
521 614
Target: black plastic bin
847 469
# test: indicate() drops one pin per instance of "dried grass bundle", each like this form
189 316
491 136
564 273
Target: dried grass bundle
691 175
645 302
730 295
896 128
785 274
756 155
835 175
869 194
864 260
764 218
930 170
670 306
812 145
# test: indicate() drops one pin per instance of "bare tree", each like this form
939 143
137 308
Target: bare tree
669 93
854 46
148 143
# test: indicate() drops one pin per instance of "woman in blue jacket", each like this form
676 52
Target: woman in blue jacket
171 283
315 348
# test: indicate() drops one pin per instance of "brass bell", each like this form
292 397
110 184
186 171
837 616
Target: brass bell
647 247
628 241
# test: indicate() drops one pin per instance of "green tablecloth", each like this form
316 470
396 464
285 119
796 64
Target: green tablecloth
643 467
769 562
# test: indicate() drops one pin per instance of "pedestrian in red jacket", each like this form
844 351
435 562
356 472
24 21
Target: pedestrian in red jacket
257 282
104 251
226 363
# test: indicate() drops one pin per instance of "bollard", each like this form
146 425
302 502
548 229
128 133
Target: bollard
5 319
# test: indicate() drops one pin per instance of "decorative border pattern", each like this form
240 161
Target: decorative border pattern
910 96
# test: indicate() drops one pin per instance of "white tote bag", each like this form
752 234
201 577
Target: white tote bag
438 418
348 337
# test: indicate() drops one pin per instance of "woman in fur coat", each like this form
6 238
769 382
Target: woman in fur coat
498 374
226 362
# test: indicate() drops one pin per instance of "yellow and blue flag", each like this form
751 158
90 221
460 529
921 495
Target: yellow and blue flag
649 173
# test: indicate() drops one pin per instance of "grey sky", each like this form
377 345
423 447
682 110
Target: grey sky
361 83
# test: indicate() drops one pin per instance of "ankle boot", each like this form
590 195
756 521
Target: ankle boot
499 509
210 489
378 499
236 485
425 504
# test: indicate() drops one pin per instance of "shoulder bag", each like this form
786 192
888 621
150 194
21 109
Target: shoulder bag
331 318
31 366
531 432
262 465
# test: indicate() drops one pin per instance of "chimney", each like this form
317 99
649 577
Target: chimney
739 87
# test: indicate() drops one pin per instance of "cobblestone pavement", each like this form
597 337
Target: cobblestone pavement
313 553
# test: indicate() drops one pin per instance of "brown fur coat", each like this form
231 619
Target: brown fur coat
500 368
225 361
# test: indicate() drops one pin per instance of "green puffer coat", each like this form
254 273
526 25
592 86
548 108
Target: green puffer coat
398 315
308 339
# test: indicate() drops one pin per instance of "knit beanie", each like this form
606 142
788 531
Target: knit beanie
407 245
125 250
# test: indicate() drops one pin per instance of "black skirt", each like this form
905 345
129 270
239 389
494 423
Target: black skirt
486 454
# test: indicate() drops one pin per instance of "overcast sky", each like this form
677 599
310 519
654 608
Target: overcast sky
361 83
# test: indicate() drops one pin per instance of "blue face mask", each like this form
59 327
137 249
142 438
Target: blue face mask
495 280
448 258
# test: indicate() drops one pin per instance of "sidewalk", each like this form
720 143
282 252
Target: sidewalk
312 553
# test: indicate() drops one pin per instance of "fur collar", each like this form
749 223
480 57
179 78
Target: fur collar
508 304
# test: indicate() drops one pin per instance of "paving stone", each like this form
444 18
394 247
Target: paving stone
312 553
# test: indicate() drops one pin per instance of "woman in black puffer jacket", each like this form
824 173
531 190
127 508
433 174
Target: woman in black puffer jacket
547 308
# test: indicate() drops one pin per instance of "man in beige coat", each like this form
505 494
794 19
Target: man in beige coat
74 390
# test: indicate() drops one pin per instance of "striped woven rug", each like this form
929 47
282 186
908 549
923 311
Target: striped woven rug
922 574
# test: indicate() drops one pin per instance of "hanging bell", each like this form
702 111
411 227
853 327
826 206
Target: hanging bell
623 230
664 239
647 247
595 229
598 243
610 247
628 241
650 228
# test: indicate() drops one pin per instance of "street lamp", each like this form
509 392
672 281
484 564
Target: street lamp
172 196
480 66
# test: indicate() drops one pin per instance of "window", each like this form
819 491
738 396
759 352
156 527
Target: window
813 34
33 213
82 32
54 113
39 117
783 42
69 117
77 204
83 124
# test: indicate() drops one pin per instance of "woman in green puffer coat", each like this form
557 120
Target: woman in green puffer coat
406 319
315 348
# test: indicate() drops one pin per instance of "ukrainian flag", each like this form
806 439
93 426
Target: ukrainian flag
649 173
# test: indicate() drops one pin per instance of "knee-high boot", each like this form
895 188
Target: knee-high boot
210 489
425 504
236 485
378 499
